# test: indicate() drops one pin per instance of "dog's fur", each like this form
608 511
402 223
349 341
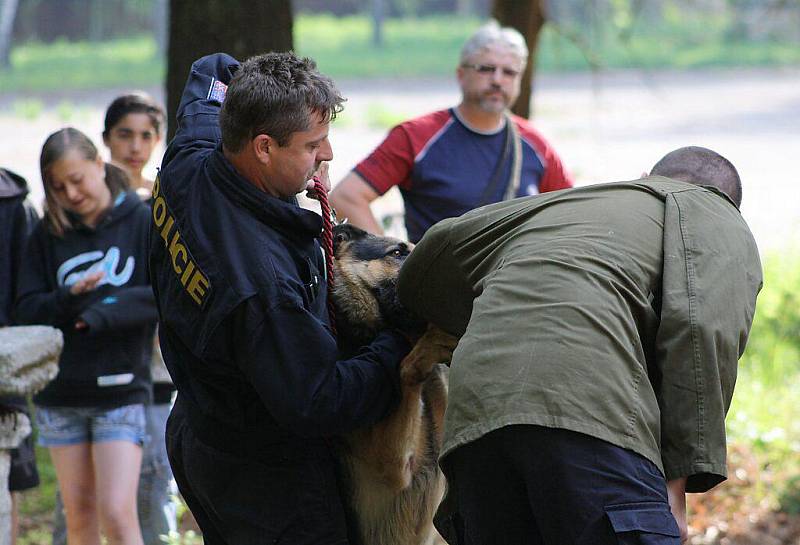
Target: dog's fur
391 471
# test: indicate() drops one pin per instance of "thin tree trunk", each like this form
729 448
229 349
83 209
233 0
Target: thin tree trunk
527 16
96 20
8 12
377 22
202 27
464 7
160 15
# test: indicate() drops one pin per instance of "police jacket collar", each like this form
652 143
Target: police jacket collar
285 216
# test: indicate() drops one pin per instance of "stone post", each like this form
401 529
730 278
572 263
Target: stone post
28 361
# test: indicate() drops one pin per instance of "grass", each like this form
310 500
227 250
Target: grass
422 47
129 62
37 505
763 412
413 48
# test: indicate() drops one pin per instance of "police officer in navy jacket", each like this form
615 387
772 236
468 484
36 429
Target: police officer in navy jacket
239 278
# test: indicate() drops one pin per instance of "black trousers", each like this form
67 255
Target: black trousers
238 500
541 486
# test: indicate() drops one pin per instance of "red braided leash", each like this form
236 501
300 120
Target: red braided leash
327 246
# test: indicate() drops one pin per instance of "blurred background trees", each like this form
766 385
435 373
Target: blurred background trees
367 38
49 20
241 29
570 34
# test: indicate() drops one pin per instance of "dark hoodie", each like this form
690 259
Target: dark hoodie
106 365
16 222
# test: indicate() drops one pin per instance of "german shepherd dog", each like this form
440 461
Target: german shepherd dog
390 470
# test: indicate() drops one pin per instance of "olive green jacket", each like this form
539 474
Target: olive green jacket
615 310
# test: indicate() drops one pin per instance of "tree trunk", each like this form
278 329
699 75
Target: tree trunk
464 8
96 20
241 29
377 22
8 11
527 16
160 16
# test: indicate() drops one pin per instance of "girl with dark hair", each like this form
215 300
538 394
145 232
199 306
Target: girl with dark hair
132 131
84 271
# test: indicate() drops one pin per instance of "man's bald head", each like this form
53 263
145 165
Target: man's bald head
701 166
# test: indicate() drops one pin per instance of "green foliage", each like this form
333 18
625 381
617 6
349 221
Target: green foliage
62 65
68 111
413 47
42 498
29 109
190 537
764 408
789 498
682 39
36 506
381 117
773 353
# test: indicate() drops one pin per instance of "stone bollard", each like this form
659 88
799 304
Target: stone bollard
14 427
28 361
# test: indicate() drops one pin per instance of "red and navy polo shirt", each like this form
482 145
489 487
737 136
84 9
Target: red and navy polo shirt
442 167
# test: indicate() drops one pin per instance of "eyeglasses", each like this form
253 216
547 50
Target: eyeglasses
487 69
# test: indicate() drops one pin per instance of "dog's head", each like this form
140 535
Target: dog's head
365 287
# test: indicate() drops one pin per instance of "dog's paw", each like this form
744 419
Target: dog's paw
435 346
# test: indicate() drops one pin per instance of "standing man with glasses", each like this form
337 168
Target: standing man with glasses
451 161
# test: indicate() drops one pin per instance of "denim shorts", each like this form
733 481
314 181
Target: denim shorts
64 426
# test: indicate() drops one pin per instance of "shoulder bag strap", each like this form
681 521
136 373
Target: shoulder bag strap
491 188
516 165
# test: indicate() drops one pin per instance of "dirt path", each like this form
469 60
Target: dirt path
607 127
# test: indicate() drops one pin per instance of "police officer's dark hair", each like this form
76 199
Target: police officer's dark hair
701 166
59 220
133 103
275 94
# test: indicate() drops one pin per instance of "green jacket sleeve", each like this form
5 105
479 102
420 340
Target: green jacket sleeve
711 276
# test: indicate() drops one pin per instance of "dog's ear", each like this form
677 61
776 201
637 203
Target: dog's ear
345 232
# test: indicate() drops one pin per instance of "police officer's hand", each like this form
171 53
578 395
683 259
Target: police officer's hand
87 283
322 175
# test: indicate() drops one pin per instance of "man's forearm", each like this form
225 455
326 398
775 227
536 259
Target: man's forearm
676 492
358 214
351 199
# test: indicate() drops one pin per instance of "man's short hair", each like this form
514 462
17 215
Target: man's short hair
275 94
701 166
493 34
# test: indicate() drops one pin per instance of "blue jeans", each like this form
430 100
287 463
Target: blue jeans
65 426
157 514
156 510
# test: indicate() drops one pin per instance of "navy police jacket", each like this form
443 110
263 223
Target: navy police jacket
240 287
